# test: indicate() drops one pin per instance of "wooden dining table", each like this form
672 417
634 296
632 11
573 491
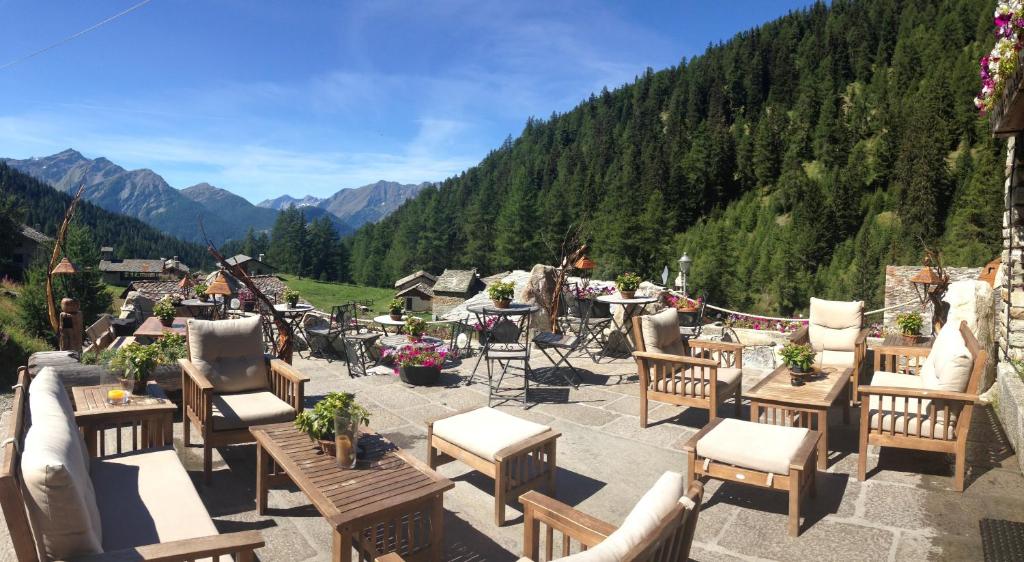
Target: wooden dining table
153 329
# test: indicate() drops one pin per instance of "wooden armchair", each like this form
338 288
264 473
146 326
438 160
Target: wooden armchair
228 385
930 407
666 540
694 373
176 531
834 330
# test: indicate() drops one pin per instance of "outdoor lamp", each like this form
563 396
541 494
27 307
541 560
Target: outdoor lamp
684 268
219 286
64 269
185 284
585 266
926 282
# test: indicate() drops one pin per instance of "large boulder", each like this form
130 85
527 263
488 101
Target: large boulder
974 301
539 290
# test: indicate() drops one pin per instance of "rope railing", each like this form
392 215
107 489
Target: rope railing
777 319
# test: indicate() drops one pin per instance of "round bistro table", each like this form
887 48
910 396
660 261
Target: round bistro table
630 308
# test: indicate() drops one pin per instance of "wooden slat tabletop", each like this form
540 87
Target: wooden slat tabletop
152 328
386 476
94 399
821 391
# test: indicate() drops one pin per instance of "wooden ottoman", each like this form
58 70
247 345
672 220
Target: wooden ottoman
766 456
518 454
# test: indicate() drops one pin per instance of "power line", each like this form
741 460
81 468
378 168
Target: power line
75 36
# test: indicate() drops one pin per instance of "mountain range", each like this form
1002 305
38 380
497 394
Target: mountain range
145 195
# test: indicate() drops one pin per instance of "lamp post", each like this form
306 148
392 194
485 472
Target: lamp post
219 287
69 336
586 267
930 284
684 269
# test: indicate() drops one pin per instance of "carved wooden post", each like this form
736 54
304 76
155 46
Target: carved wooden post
71 329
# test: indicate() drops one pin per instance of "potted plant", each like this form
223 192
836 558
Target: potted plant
415 327
165 311
910 324
501 293
799 358
628 283
395 309
168 350
201 292
291 297
247 299
334 424
418 364
135 363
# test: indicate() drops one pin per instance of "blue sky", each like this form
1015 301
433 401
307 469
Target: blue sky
312 96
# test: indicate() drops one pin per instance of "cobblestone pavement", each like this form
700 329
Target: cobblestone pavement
905 511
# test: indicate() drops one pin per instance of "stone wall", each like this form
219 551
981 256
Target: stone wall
443 303
1010 293
899 289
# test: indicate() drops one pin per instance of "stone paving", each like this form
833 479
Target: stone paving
905 511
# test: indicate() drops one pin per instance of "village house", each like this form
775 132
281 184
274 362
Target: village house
124 272
453 288
29 244
416 291
252 266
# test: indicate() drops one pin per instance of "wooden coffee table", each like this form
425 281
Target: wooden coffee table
150 417
390 502
152 328
775 401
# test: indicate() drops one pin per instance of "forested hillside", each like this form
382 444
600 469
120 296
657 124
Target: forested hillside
43 206
796 159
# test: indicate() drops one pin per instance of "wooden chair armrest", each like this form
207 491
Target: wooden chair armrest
802 335
182 550
862 336
717 345
287 371
526 445
586 529
390 557
691 445
810 443
902 350
193 373
677 359
919 393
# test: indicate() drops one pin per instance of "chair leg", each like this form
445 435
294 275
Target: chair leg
499 494
794 503
958 473
738 411
207 462
186 429
643 412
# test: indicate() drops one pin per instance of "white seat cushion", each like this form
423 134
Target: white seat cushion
727 378
890 408
229 353
485 431
768 448
55 472
246 409
641 522
148 498
661 332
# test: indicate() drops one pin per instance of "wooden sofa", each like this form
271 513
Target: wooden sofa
228 385
139 505
929 406
695 373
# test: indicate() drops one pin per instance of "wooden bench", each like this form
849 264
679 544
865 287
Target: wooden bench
123 484
761 455
518 454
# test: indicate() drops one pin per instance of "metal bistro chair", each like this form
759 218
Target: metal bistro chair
691 324
322 336
593 329
506 344
565 344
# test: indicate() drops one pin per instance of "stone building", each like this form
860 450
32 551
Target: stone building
123 272
30 244
416 290
252 266
453 288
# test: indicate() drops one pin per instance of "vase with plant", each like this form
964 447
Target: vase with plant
415 327
501 293
395 309
334 424
909 325
165 311
628 283
418 365
291 297
201 292
136 364
247 299
799 357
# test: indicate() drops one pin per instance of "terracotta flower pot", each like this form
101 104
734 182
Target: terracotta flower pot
627 294
293 302
396 317
503 303
419 375
167 321
910 339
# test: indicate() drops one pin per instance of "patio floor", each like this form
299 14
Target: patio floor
905 511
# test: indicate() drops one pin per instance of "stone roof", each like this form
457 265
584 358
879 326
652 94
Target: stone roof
34 235
242 258
455 281
411 276
133 266
496 277
268 284
419 288
176 265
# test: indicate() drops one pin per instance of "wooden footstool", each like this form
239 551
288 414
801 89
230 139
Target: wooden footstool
518 454
766 456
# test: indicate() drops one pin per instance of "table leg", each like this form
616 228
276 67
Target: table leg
823 442
436 528
262 472
342 548
90 441
754 407
846 405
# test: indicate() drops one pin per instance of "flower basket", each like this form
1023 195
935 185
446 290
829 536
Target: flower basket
419 375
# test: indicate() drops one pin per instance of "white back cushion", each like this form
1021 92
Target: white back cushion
948 366
661 332
55 470
834 325
229 353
